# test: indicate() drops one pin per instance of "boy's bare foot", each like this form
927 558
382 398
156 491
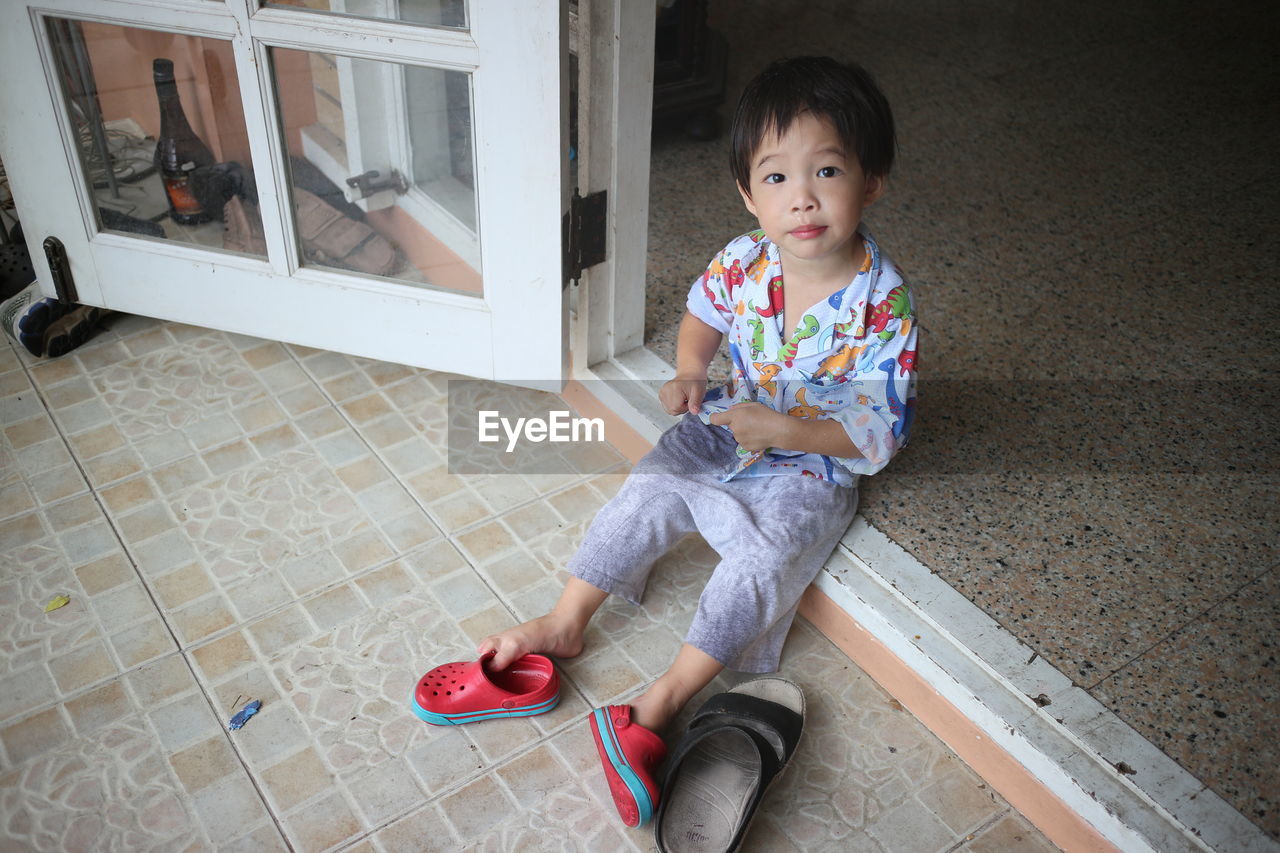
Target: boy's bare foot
691 671
547 635
655 709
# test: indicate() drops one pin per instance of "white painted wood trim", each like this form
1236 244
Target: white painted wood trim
266 146
387 40
629 198
616 69
405 337
597 71
186 18
522 161
638 407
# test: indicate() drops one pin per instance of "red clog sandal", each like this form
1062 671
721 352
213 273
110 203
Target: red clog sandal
631 755
468 691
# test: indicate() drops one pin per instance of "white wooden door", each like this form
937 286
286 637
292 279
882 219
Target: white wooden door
458 106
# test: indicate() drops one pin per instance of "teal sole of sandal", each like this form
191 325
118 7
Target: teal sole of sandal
609 739
476 716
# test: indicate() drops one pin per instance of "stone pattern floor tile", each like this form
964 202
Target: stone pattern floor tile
44 471
109 625
268 522
139 763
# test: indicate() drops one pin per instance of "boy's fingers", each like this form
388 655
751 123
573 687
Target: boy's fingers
720 418
675 398
695 402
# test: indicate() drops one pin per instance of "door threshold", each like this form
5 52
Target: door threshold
1072 767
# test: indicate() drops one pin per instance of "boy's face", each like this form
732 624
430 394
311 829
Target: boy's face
808 195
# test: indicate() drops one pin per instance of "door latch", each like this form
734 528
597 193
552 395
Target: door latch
372 182
63 284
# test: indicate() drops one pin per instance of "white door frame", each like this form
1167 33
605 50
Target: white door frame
616 62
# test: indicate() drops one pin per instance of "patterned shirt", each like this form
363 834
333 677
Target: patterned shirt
851 357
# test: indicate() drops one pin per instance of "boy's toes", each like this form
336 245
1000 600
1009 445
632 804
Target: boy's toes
507 652
503 649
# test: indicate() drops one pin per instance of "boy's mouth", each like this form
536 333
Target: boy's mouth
808 232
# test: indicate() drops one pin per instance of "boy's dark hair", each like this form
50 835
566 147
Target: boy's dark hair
842 93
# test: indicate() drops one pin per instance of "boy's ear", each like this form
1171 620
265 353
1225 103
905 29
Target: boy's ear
746 199
874 187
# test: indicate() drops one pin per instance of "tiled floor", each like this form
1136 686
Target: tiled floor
1085 201
235 519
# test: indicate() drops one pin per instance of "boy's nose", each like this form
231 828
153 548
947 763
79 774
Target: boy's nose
804 200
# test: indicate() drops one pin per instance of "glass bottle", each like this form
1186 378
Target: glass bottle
178 150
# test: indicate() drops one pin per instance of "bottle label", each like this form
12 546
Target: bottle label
181 199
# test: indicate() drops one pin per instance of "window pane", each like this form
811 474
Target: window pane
386 150
161 134
444 14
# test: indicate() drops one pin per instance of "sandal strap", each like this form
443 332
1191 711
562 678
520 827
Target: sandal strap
777 726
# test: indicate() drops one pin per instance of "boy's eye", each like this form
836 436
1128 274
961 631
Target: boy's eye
828 172
774 178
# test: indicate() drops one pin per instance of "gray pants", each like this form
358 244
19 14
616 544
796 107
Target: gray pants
773 534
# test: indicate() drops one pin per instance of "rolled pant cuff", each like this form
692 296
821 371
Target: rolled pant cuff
606 582
753 664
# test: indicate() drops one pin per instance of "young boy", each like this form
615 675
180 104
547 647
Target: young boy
823 344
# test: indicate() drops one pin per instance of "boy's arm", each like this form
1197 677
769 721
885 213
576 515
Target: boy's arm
825 437
696 345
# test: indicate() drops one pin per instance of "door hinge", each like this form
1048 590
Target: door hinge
585 233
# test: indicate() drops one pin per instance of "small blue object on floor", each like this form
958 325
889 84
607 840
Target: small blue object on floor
242 716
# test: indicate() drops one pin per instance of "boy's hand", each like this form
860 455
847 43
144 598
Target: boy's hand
755 426
683 394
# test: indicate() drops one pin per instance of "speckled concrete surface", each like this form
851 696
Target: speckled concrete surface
1086 203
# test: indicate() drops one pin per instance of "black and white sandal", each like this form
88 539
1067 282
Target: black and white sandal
737 744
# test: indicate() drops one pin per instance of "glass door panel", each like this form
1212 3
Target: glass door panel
444 14
157 122
381 167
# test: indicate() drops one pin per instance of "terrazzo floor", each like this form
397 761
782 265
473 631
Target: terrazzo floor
235 519
1086 204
